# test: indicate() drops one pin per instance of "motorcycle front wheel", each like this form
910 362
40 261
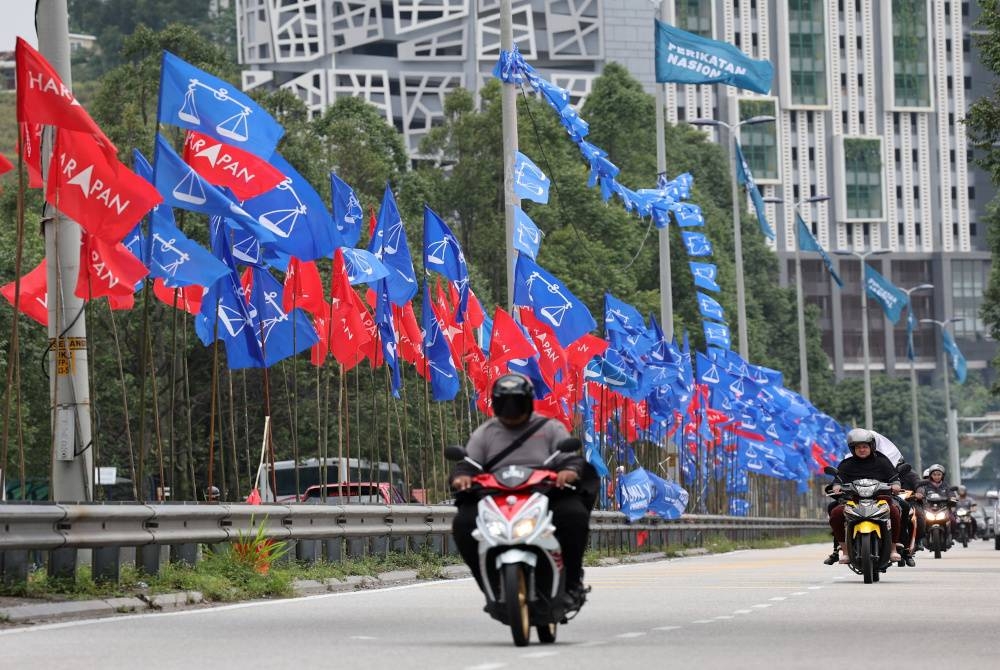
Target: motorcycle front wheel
865 560
516 595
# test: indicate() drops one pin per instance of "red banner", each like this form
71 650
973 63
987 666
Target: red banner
32 300
223 165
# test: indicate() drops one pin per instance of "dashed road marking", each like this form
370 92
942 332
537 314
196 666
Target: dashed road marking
761 606
628 635
540 654
667 628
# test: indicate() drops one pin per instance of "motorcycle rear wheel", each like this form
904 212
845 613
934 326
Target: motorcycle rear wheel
516 595
547 633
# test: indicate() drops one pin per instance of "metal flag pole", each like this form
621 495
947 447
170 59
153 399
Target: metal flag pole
72 462
666 287
509 110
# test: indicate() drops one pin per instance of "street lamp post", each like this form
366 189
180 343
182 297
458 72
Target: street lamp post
800 300
863 257
914 416
741 307
953 464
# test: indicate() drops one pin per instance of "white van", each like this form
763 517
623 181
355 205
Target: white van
311 474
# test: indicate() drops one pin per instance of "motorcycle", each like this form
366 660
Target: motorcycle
868 526
938 529
519 556
909 535
963 525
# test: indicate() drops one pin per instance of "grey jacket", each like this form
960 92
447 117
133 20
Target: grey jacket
492 437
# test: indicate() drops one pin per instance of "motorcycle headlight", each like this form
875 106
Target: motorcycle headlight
524 527
963 512
496 529
936 516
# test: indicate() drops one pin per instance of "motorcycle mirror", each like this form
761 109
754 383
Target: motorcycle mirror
454 452
830 470
953 488
569 445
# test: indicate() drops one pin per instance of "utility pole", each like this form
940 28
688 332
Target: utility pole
508 107
69 392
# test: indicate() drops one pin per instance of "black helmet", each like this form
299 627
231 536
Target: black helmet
513 396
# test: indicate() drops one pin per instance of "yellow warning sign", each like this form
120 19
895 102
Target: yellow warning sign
65 350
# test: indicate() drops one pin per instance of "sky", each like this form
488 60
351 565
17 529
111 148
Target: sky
18 19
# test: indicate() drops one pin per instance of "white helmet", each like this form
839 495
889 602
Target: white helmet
860 436
938 467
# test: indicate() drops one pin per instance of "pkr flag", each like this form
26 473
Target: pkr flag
104 197
33 297
245 174
107 269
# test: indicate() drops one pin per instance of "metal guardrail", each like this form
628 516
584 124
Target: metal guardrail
53 532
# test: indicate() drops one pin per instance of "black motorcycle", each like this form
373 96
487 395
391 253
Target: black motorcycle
937 511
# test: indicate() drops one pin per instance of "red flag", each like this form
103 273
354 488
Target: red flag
580 352
5 165
350 337
106 199
223 165
552 407
188 298
43 98
551 355
508 341
304 288
474 314
410 337
30 145
254 497
32 300
107 269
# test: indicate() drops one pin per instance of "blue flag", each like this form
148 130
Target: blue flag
957 359
744 176
191 98
280 334
809 243
668 498
182 187
530 183
362 266
687 214
347 213
551 301
389 244
611 370
387 334
704 275
885 293
634 493
440 365
296 216
686 58
709 307
716 335
591 443
527 236
442 254
697 244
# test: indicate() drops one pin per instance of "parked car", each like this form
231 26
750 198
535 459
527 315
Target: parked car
354 493
992 512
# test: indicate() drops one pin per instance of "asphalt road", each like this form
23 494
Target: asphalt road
779 608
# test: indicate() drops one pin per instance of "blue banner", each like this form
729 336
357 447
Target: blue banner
709 307
192 98
530 183
552 302
704 275
745 177
697 244
686 58
809 243
885 293
634 493
527 236
957 359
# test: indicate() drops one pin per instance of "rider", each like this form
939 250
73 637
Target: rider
910 482
513 402
864 463
934 482
966 502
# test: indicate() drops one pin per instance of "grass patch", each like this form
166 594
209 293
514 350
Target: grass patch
714 544
222 577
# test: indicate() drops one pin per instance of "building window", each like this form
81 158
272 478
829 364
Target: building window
807 52
910 44
968 283
759 141
695 16
863 178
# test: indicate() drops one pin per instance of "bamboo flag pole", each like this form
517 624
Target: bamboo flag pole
263 450
14 356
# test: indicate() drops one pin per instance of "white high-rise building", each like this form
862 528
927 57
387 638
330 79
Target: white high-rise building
869 98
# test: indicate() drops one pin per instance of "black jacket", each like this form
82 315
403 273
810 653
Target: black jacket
877 466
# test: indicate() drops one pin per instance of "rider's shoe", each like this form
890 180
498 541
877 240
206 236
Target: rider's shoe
910 563
832 558
575 596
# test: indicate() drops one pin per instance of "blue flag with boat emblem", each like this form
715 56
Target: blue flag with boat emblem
441 369
347 213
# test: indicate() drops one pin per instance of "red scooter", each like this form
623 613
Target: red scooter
519 556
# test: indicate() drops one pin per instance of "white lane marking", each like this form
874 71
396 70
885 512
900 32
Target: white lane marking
221 608
363 637
667 628
540 654
486 666
779 598
761 606
627 635
592 643
799 593
814 588
742 611
724 616
702 621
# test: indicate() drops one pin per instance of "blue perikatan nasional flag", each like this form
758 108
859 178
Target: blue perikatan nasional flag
281 334
957 359
809 243
709 307
530 183
697 244
705 275
551 301
686 58
347 213
295 214
527 236
192 98
443 255
634 493
389 244
440 365
182 187
745 177
892 299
